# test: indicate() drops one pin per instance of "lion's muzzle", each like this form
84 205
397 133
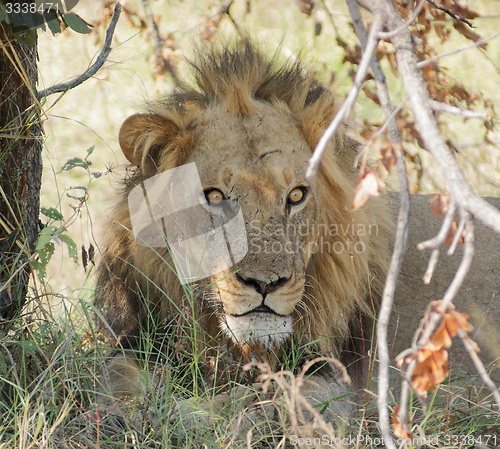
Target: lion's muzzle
268 329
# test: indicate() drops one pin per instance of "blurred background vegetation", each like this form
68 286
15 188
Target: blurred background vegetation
91 114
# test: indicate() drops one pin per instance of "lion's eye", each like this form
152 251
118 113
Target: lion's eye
214 197
297 195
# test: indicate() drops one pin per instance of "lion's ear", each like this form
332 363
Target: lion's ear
143 136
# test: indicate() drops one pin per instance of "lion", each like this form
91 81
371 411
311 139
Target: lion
308 271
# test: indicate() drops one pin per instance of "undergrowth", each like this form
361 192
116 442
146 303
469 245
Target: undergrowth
51 377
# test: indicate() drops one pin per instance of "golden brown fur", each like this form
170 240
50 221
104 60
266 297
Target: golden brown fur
245 108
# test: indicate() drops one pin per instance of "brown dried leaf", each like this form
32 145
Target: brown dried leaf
306 6
92 254
452 232
441 337
430 371
465 31
389 157
370 94
439 204
367 187
318 26
454 320
84 258
399 429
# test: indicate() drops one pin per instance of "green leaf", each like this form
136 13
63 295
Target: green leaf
96 174
4 17
52 21
75 162
71 246
32 19
90 150
45 237
76 23
51 213
30 37
45 255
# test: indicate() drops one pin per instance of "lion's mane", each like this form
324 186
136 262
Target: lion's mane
341 287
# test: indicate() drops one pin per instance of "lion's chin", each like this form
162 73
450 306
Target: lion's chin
266 329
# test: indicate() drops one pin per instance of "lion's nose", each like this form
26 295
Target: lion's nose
262 287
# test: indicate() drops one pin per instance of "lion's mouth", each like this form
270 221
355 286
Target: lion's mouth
261 325
260 309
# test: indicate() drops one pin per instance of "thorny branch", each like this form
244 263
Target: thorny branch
94 68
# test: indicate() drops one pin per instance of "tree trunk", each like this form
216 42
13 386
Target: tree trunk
20 168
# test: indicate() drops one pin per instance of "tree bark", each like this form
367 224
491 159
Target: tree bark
20 168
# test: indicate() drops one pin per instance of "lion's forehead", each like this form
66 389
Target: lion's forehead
265 151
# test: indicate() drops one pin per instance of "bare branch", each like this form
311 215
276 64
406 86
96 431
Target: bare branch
437 241
94 68
451 13
469 346
158 44
346 108
466 262
387 300
435 318
480 42
443 107
425 121
456 237
431 266
407 23
401 228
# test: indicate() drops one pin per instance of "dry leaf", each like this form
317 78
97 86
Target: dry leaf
389 158
367 187
455 320
399 430
439 204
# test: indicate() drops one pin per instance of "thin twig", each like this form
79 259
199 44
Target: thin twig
479 365
480 42
437 241
431 266
158 43
407 23
346 108
443 107
94 68
387 300
451 13
456 237
465 264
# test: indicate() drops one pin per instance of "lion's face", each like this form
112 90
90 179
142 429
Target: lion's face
310 263
258 162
